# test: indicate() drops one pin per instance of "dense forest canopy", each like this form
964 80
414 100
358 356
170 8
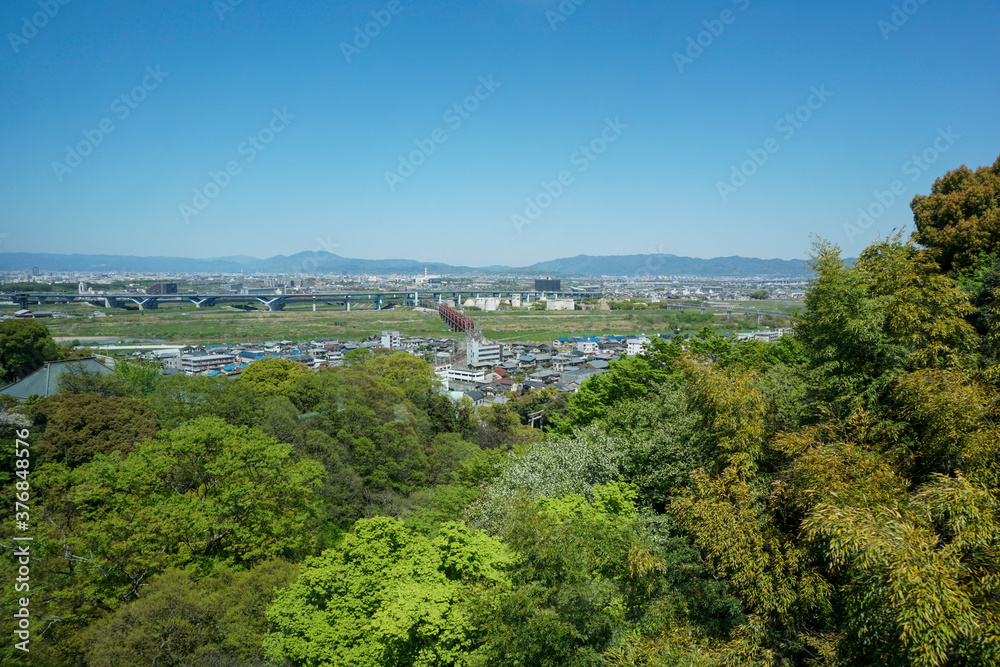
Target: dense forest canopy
827 500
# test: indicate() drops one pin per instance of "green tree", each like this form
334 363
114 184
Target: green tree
656 435
24 346
413 376
203 494
551 402
73 428
177 620
922 580
960 219
629 378
553 468
983 286
593 583
385 597
378 428
132 378
892 312
269 377
179 398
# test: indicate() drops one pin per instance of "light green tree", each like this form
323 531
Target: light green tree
268 377
386 597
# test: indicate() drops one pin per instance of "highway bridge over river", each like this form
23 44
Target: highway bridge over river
377 300
277 302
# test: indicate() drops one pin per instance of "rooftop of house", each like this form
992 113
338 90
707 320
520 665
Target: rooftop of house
45 380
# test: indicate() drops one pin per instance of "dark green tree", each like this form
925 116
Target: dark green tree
73 428
24 346
959 220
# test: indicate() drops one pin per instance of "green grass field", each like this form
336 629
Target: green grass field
219 325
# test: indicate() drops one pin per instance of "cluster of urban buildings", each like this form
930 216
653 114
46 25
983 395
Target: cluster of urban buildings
232 359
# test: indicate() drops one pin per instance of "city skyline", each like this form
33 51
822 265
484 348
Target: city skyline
492 133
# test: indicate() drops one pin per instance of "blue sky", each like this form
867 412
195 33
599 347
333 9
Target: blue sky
248 127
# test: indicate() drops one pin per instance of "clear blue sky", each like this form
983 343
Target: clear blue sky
321 182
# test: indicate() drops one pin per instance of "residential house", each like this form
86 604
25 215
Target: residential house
45 381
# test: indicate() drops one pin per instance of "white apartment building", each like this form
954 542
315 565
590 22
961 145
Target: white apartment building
467 375
391 340
635 345
192 364
478 354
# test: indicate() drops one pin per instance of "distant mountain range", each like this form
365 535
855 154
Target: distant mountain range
324 262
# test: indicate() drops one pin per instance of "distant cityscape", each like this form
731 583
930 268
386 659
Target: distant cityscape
468 363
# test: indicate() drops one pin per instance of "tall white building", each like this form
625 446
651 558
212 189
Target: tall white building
478 354
635 345
391 340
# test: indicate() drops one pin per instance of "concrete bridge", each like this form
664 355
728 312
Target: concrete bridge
277 302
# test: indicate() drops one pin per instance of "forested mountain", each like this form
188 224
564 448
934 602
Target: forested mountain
828 500
672 265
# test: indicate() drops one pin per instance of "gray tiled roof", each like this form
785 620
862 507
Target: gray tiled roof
45 381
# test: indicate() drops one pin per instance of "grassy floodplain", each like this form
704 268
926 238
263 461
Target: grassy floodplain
225 324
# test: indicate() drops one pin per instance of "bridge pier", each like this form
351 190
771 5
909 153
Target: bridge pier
274 305
347 302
